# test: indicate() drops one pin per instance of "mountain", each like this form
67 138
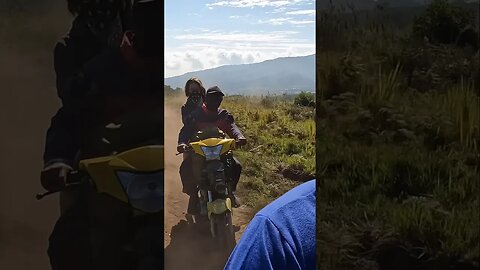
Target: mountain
280 75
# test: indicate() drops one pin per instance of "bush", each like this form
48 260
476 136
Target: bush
305 99
442 22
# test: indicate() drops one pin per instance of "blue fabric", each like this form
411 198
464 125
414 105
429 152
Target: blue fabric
281 235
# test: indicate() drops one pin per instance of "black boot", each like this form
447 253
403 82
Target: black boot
193 205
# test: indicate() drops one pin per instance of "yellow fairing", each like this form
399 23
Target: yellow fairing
219 206
102 169
227 145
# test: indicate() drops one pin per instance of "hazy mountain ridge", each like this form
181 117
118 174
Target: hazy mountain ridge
285 74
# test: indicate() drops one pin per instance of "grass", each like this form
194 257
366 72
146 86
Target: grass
280 152
397 150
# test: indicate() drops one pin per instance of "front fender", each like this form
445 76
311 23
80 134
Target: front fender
219 206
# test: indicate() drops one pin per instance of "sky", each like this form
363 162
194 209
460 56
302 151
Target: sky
202 34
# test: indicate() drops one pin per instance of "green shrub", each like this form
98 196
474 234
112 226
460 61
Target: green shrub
305 99
442 22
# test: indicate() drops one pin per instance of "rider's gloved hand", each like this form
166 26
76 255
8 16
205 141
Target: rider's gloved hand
53 176
181 148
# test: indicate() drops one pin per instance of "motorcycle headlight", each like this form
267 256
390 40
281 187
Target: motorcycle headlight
144 190
212 152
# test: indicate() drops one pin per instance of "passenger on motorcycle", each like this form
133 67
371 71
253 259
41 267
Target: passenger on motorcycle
208 115
107 84
97 27
195 93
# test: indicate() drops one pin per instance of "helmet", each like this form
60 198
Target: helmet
106 19
77 7
101 13
194 80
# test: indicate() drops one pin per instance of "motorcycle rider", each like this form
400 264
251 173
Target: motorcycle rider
96 27
108 86
195 93
208 115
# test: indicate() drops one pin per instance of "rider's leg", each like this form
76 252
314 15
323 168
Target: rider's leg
189 185
198 165
237 171
69 245
68 197
186 176
109 233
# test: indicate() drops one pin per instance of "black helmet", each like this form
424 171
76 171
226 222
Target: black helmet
77 7
106 19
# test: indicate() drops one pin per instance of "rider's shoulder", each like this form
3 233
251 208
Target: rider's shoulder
78 32
223 112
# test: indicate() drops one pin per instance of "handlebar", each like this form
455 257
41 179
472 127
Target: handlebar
40 196
73 178
188 147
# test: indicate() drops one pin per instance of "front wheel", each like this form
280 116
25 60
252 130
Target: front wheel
222 231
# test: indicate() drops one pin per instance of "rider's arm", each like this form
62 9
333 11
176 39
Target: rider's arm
70 53
64 64
185 134
61 140
227 125
184 113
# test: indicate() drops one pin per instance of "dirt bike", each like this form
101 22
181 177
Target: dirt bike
215 155
126 192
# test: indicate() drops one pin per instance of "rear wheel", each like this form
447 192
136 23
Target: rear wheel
222 231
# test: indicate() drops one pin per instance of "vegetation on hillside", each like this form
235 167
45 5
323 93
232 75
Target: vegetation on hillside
398 141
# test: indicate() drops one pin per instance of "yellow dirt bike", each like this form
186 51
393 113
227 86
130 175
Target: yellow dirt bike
125 197
213 159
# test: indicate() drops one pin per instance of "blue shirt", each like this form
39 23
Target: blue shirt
281 235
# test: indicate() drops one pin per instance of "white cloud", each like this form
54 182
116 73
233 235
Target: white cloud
282 21
215 48
310 12
254 3
302 22
275 21
234 17
215 36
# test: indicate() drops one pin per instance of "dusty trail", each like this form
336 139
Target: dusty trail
27 102
186 247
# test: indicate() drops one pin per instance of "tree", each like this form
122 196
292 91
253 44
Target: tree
442 22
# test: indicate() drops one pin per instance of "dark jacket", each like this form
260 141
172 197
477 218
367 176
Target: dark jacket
187 111
203 118
71 53
113 86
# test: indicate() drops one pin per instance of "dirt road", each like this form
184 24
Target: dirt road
28 100
187 247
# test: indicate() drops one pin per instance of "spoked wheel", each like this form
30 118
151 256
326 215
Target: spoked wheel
222 231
